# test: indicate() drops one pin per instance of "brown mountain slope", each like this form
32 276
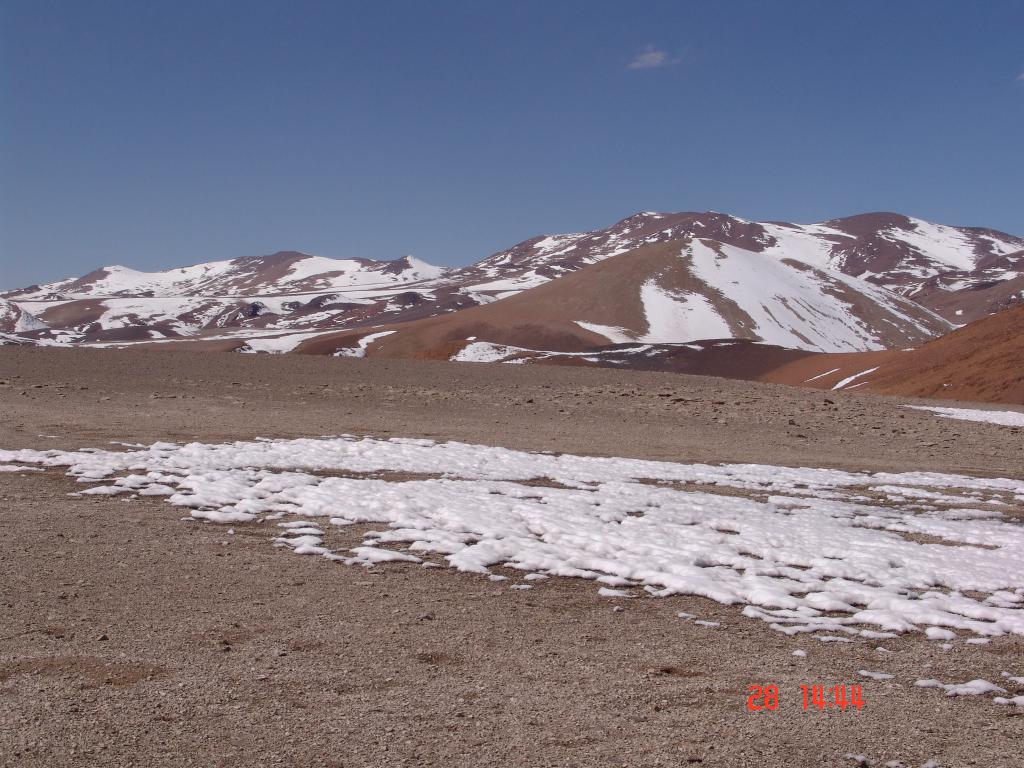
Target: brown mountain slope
983 361
541 318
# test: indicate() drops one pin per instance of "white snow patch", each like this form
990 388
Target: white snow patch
608 592
485 352
844 382
18 319
809 243
972 688
821 375
875 675
613 333
360 349
812 557
1003 418
793 305
277 345
679 317
940 243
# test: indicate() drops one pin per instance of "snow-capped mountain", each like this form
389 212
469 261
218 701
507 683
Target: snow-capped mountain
280 273
857 283
912 257
540 259
286 290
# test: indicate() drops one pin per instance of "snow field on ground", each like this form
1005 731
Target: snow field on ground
805 550
1003 418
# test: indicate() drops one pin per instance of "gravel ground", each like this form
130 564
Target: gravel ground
130 637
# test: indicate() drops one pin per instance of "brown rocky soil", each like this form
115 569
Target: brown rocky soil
129 637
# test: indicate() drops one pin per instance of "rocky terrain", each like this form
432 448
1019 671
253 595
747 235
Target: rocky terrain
156 641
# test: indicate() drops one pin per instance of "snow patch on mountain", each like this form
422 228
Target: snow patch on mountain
14 319
679 317
485 352
322 273
945 245
615 334
844 383
362 345
276 345
781 303
809 243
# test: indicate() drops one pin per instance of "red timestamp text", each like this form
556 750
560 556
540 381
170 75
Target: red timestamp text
767 697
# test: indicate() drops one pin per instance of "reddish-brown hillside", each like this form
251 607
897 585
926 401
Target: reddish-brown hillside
983 361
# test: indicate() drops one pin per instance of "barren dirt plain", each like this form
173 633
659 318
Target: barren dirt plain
131 638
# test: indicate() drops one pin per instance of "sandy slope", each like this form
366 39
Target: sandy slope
982 361
167 646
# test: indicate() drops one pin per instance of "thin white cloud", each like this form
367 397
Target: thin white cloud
1021 77
651 57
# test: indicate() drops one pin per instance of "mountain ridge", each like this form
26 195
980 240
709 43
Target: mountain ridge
868 281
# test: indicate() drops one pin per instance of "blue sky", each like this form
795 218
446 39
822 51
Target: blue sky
162 133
